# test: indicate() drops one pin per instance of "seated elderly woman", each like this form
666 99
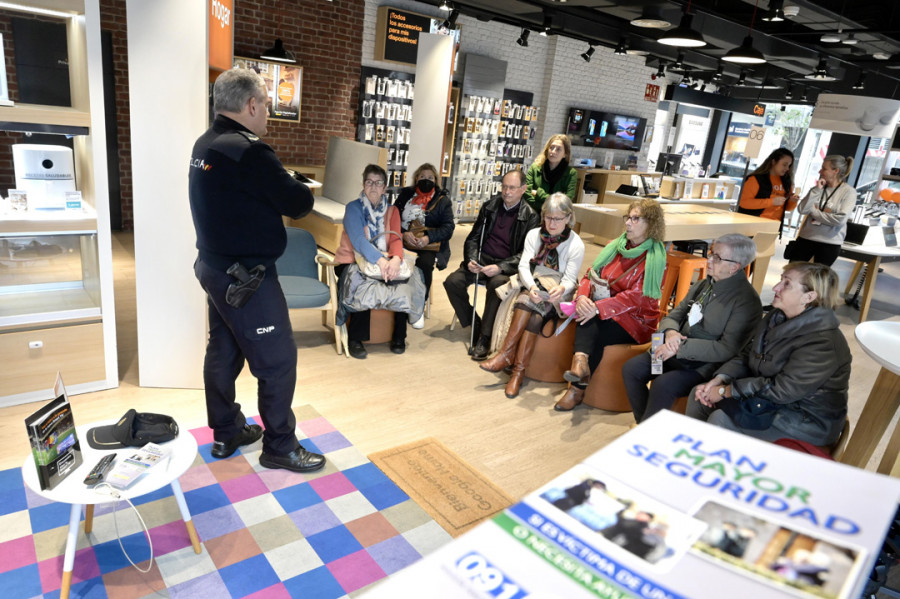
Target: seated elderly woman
707 328
548 272
618 299
372 230
791 379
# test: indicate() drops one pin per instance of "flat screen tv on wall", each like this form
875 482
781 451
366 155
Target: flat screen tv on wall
604 129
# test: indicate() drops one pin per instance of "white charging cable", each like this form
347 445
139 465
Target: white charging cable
105 488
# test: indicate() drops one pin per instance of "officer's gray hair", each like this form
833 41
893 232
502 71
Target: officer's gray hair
234 88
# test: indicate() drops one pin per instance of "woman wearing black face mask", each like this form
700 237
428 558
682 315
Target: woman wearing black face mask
426 217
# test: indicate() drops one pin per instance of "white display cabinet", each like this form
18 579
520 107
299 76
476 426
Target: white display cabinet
56 283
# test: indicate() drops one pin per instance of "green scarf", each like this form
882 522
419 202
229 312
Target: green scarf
653 269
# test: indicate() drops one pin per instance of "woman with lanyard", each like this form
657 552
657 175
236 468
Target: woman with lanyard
618 299
705 330
550 172
827 207
548 273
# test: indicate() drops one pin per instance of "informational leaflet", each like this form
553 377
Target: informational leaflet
676 508
135 464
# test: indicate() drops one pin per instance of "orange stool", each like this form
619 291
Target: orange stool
606 390
680 268
381 326
552 355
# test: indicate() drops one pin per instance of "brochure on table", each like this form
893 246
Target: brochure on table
675 508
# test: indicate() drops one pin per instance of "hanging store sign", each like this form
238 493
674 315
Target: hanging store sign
397 34
856 115
754 141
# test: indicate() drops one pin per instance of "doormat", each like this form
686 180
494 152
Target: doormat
266 534
452 492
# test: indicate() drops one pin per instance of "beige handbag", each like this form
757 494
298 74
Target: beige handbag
372 270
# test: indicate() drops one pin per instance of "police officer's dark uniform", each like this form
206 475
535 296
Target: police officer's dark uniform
238 193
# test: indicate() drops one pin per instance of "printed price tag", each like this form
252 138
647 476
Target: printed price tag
487 578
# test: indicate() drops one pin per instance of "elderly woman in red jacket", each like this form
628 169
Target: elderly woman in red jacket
618 299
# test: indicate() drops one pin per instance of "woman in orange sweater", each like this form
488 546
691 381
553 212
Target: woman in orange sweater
768 191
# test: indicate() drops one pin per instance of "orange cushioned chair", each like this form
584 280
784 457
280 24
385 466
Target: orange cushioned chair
606 391
552 355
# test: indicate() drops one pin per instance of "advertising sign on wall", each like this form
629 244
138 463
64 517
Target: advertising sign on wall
221 34
284 84
856 115
397 34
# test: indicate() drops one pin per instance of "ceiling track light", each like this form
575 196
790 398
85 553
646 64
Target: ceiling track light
622 48
661 71
587 55
679 62
651 18
789 94
446 6
278 53
742 80
523 37
546 28
776 12
861 82
718 74
821 72
450 23
683 36
746 53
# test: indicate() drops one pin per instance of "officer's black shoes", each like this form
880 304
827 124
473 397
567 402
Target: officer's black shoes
398 346
249 434
357 349
298 460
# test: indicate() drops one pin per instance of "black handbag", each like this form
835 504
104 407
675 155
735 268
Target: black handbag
752 413
789 250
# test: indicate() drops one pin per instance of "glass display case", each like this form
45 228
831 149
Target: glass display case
48 275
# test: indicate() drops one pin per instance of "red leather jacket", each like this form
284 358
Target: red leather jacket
628 306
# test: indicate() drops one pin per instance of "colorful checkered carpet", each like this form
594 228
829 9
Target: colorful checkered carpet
267 534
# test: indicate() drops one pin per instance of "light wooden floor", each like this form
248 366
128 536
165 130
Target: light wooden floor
434 389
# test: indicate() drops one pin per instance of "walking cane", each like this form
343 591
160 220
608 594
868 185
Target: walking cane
475 296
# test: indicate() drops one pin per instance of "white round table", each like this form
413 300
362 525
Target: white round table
181 454
881 341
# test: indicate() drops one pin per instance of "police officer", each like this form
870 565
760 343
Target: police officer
238 192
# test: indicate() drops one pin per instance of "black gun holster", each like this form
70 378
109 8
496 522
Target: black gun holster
247 282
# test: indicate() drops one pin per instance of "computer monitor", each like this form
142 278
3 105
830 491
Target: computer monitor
668 164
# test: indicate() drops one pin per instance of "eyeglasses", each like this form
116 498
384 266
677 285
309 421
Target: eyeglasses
714 257
633 219
373 183
556 219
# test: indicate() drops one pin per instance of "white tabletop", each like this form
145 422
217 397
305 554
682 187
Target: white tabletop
881 340
181 453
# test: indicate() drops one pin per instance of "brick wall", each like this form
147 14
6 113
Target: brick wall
324 37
